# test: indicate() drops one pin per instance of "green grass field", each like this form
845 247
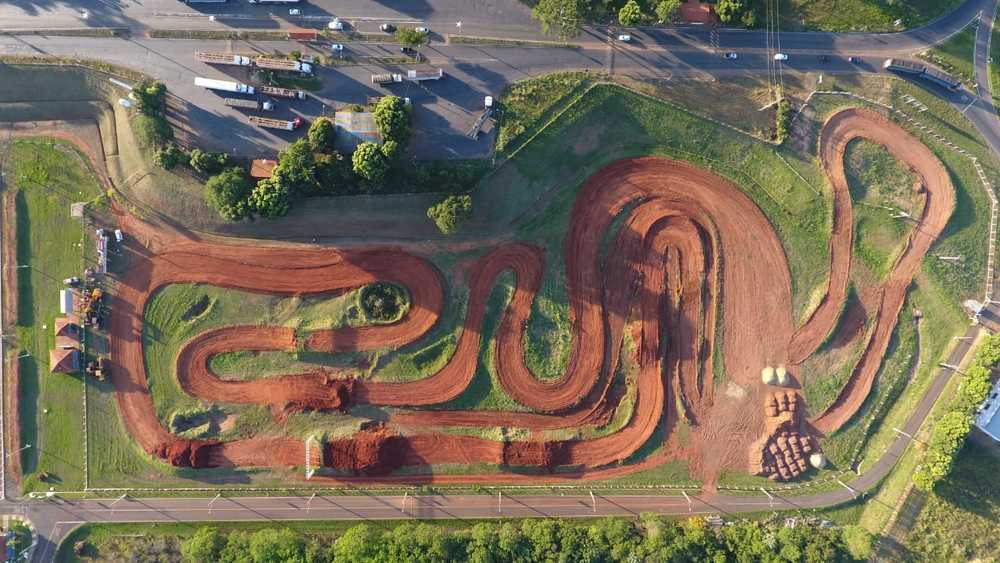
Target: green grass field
862 15
881 187
51 246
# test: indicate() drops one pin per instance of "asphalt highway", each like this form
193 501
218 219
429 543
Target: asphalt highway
444 111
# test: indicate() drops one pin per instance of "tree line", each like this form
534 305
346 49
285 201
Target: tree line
566 18
951 430
609 540
311 166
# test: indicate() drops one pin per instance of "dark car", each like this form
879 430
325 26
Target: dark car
408 51
388 28
854 60
824 58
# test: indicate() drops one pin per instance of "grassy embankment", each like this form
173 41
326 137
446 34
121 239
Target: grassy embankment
959 520
862 15
954 56
51 246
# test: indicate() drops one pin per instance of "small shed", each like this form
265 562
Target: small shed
262 168
354 128
67 333
66 301
64 360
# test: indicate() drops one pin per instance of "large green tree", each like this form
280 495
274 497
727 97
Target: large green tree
270 198
228 193
630 14
392 117
562 17
666 10
369 162
410 37
730 10
322 135
205 545
296 169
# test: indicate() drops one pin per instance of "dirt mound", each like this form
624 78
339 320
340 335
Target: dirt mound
186 453
374 451
534 454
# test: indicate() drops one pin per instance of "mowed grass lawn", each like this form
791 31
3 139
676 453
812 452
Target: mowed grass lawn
862 15
51 246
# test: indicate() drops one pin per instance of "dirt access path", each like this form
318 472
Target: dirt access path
661 271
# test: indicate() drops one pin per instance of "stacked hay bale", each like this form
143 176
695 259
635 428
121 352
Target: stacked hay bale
783 452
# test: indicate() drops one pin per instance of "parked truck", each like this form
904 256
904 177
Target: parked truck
222 58
421 75
276 123
223 85
249 104
283 64
386 78
283 92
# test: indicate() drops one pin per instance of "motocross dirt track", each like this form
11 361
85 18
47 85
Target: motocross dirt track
662 273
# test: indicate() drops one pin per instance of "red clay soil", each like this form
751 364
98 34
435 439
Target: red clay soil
662 271
840 130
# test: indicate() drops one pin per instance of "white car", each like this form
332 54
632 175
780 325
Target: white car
295 12
624 38
423 30
335 25
780 57
336 47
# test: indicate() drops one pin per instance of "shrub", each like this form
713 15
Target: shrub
152 131
449 213
204 162
149 96
383 302
369 162
170 156
228 193
781 120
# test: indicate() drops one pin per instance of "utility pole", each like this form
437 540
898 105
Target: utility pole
688 499
770 497
211 502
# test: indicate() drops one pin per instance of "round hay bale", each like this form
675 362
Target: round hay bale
817 460
767 376
782 375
